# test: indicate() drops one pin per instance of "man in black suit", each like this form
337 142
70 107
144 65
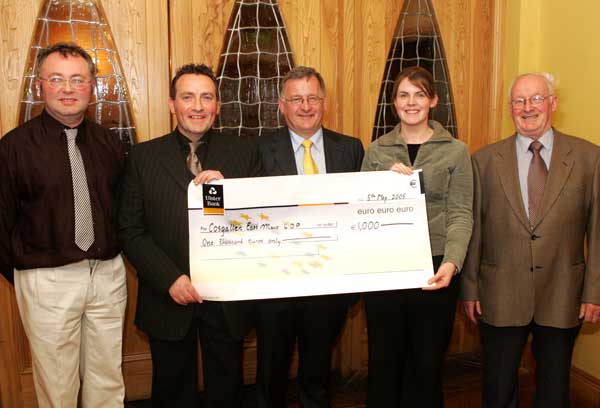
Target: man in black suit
153 229
304 147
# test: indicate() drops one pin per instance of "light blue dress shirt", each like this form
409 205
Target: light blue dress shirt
317 150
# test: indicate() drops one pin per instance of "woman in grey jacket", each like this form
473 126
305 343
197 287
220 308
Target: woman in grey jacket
409 330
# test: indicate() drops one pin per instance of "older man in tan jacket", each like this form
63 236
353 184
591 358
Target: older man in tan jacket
535 206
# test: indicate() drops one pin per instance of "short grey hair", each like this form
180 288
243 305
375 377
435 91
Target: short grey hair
546 76
301 73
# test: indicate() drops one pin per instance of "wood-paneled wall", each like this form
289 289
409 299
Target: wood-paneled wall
346 40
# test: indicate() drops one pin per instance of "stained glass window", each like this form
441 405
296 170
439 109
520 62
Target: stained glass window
417 41
82 22
255 57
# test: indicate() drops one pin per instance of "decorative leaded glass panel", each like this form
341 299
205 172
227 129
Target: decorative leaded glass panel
82 22
417 41
256 55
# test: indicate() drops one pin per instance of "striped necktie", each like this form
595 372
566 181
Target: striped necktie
84 221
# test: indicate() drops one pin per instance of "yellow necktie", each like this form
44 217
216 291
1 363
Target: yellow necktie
309 164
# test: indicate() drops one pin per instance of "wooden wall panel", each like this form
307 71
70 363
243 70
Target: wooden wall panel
208 41
497 78
181 25
346 40
157 64
140 31
454 21
11 390
348 103
472 32
15 17
331 59
481 49
197 31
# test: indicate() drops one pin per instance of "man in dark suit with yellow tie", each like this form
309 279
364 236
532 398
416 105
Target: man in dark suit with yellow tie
303 147
153 228
535 206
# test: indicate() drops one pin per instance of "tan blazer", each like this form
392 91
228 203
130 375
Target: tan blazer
521 272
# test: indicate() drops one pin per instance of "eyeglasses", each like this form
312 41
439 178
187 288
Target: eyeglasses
535 100
310 99
58 82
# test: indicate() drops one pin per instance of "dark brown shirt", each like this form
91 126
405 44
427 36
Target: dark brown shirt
37 222
201 150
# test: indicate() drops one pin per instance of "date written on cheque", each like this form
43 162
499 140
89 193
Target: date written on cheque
384 197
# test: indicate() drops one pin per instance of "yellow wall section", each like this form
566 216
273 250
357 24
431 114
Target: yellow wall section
560 37
511 56
569 34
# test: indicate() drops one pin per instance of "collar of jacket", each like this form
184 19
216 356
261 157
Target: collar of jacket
393 138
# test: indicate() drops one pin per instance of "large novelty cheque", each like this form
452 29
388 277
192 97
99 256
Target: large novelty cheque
275 237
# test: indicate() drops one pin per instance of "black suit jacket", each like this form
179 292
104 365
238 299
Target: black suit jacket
153 225
342 153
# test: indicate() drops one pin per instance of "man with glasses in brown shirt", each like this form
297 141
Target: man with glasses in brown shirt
60 174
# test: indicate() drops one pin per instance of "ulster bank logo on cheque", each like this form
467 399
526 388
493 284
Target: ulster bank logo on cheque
212 198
